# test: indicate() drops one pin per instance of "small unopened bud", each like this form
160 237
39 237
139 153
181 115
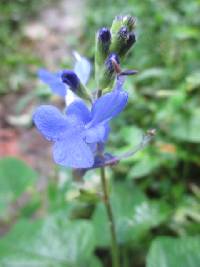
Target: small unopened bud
123 36
104 35
70 78
108 73
128 44
103 40
109 62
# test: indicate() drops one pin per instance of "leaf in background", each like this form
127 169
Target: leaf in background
15 178
144 166
186 32
174 252
193 81
186 128
134 214
53 242
151 73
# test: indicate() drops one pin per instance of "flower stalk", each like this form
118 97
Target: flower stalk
106 200
108 207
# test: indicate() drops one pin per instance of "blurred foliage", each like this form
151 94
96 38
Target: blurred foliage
15 53
153 194
15 178
52 242
174 252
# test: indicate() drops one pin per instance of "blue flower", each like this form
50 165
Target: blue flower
62 80
76 133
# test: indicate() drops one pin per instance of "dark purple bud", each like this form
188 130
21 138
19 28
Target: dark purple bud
70 78
110 69
131 39
123 34
128 43
103 41
109 62
104 35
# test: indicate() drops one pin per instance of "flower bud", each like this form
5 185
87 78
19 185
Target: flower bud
122 41
123 36
103 40
128 44
120 21
109 62
104 35
108 73
70 78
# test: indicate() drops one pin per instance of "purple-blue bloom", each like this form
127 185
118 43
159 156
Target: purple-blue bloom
76 133
62 80
54 81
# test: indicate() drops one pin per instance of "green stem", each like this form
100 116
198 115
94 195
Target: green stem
114 247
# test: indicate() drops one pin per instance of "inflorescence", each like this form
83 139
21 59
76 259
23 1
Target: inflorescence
80 133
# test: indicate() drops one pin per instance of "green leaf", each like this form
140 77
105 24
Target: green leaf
144 166
193 81
15 178
186 128
185 32
94 262
174 252
151 73
134 214
54 242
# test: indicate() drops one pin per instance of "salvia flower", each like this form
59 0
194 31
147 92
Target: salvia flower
63 80
76 133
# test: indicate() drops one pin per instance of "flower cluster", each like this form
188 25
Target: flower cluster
79 133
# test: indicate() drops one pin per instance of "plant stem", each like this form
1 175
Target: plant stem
114 247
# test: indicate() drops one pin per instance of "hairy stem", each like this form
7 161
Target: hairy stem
114 247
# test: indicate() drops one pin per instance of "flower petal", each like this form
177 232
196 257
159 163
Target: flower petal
73 152
54 81
79 109
106 134
50 122
82 68
108 106
70 97
95 134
